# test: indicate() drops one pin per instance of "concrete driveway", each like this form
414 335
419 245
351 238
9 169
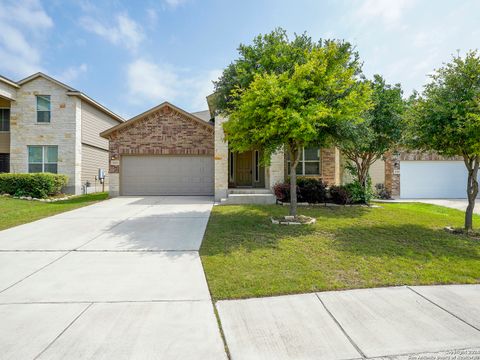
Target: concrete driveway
121 279
459 204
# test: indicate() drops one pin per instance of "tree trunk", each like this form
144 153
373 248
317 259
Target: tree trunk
363 164
294 158
472 189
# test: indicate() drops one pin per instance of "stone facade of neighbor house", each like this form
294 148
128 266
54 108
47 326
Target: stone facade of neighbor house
74 125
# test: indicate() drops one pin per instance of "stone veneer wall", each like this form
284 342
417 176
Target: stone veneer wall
392 163
221 160
8 91
63 129
276 171
163 132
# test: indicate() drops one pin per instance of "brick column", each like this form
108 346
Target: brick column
330 162
392 180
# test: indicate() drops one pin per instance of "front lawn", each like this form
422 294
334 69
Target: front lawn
15 212
244 255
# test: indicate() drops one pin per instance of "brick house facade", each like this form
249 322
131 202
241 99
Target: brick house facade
163 130
168 131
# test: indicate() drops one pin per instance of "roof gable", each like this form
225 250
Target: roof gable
46 77
144 116
9 82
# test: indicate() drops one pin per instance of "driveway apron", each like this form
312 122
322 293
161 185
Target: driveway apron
121 279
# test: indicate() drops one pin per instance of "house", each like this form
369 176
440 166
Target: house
47 126
168 151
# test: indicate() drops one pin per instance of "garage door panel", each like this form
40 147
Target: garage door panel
433 179
166 175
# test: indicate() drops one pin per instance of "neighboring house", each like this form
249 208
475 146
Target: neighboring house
47 126
417 175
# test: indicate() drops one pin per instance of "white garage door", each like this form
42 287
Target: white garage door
166 175
433 179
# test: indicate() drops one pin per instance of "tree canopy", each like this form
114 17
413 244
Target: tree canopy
366 141
272 53
298 106
445 118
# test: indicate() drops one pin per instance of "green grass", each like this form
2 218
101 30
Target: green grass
15 212
244 255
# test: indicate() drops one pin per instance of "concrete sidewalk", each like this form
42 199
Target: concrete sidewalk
387 323
121 279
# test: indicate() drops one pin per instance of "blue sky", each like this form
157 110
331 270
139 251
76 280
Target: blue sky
132 55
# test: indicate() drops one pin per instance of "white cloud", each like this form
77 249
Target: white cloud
152 16
175 3
389 11
200 87
152 83
72 73
23 24
124 32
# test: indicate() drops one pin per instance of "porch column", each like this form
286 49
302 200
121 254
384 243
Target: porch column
221 160
275 172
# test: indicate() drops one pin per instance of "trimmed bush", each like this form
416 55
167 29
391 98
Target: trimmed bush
339 195
311 190
282 191
308 190
39 185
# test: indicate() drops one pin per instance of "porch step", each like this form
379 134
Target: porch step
252 198
249 191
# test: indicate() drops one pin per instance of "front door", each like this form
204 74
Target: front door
4 163
244 169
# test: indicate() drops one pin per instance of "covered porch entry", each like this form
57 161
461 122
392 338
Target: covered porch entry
245 170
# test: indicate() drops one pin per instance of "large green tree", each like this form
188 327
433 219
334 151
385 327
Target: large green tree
271 53
446 118
298 106
365 142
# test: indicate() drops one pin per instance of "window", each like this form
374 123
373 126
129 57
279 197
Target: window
257 166
42 159
43 108
232 164
4 119
309 163
4 163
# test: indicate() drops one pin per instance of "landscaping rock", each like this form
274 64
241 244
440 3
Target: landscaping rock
294 220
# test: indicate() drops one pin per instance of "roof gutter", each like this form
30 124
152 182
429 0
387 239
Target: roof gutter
96 105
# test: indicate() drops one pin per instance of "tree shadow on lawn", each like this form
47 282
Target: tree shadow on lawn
250 227
411 241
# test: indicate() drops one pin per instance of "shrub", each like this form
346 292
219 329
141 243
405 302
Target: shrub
339 195
359 195
282 192
382 192
308 190
311 190
39 185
